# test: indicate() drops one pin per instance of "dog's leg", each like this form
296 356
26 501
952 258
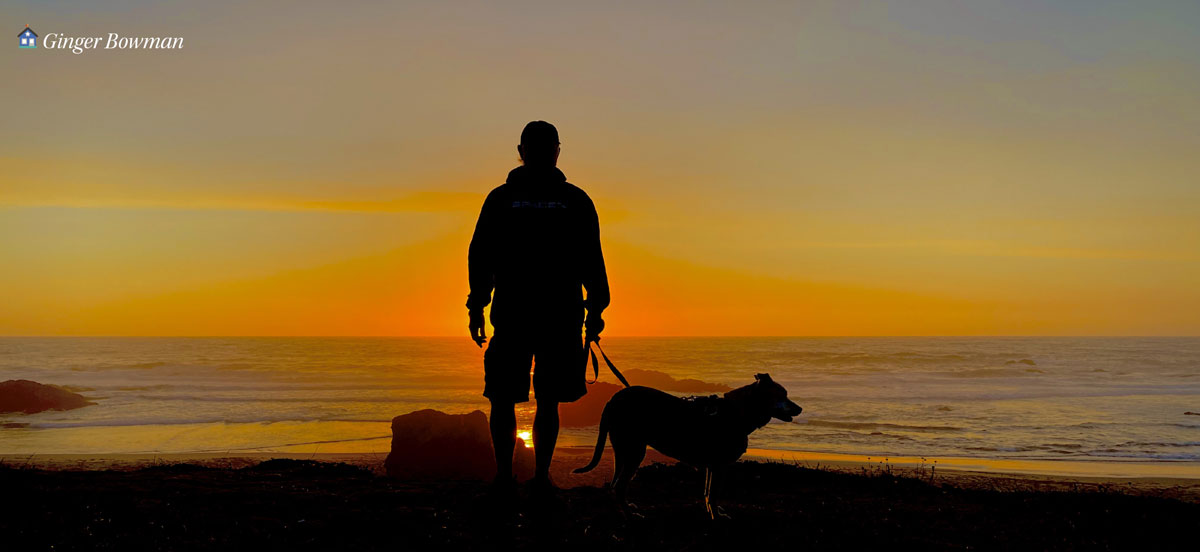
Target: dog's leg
627 459
708 492
636 456
713 511
618 465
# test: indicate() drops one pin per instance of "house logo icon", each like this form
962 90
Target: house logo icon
28 38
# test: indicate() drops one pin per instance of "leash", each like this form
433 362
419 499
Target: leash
596 364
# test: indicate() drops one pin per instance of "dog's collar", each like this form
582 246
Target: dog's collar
711 405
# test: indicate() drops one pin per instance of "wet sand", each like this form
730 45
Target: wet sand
1116 469
1175 480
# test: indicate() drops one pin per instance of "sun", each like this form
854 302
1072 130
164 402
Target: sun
526 436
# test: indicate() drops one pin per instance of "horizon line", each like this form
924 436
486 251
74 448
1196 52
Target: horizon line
675 336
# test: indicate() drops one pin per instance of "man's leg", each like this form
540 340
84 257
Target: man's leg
545 436
503 422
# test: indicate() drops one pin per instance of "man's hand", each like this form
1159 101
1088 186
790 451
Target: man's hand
477 328
592 327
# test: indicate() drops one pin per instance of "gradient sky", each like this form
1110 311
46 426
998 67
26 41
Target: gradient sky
760 168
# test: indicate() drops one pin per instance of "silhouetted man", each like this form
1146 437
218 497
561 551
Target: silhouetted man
537 246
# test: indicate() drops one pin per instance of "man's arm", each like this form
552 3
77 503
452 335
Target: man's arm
595 276
480 270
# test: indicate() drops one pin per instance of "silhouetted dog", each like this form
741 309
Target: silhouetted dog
703 431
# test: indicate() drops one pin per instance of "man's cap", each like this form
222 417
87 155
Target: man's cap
539 133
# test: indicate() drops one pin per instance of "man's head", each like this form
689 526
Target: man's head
539 144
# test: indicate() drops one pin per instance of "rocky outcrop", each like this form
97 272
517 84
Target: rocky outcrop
31 397
429 444
586 411
665 382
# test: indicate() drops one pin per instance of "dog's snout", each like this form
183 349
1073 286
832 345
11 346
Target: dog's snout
786 410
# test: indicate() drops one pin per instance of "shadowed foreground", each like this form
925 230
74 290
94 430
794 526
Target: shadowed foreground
287 504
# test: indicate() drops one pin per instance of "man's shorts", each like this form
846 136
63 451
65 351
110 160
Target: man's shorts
559 367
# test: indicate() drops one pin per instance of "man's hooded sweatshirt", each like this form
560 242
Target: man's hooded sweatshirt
537 245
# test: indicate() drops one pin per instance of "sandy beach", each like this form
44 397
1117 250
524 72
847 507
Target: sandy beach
342 501
1179 480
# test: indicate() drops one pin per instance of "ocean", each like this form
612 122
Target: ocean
1113 399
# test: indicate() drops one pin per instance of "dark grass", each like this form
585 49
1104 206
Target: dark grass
292 505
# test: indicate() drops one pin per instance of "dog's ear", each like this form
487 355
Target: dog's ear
762 377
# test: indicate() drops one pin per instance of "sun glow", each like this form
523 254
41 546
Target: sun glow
526 436
1045 194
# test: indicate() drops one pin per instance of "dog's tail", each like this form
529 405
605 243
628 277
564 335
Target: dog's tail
599 443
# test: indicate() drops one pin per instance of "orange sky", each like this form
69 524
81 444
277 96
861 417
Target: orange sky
891 169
